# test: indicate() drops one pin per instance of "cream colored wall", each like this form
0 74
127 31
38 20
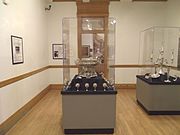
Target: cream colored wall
173 19
173 10
133 17
55 15
27 19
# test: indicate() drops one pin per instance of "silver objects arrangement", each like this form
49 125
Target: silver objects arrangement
160 63
94 86
105 86
87 72
159 48
87 66
77 86
86 86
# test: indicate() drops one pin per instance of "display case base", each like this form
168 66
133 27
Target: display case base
157 97
158 112
89 131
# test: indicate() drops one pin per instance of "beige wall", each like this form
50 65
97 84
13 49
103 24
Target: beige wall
133 17
55 16
173 19
27 19
173 8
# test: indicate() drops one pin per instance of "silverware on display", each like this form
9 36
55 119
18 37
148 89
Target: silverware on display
86 86
105 86
94 86
77 86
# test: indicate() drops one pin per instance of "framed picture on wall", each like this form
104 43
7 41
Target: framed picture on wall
17 49
58 51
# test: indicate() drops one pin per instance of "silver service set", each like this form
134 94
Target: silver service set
87 66
160 63
87 70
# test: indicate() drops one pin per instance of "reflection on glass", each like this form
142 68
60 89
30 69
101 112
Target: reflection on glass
86 51
92 24
159 45
93 45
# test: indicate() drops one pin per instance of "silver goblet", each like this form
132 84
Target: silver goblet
104 86
95 86
77 86
86 86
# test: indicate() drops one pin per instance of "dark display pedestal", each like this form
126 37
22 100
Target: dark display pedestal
88 112
157 97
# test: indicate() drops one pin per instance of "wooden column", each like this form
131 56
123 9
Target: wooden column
94 9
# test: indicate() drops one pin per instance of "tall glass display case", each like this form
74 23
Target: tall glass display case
159 49
88 95
69 39
93 47
157 88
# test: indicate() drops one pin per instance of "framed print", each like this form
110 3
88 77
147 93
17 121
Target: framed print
17 49
58 51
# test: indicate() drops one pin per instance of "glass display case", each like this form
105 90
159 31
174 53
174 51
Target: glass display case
159 51
82 72
92 23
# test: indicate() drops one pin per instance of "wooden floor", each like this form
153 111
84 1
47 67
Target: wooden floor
45 118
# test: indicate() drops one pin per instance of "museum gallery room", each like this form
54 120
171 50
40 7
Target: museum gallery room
90 67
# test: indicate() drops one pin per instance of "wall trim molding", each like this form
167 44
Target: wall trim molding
130 66
62 66
20 77
13 119
23 76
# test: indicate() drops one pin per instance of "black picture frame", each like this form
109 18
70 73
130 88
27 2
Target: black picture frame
58 51
17 50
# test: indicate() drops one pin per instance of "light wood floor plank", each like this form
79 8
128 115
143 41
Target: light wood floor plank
45 118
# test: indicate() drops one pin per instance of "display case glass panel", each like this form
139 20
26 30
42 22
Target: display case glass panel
94 43
159 46
93 47
69 39
111 48
92 24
